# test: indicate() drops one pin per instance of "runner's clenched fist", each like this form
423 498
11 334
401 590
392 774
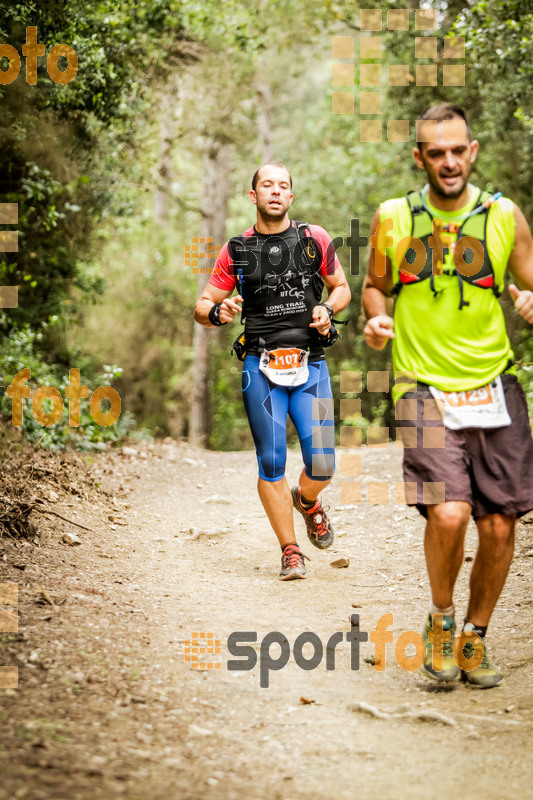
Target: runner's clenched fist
378 330
229 308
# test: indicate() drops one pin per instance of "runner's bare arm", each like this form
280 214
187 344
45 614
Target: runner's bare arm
521 266
376 299
338 298
210 296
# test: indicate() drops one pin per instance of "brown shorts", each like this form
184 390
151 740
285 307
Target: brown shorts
492 469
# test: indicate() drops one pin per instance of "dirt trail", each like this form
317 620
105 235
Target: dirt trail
107 705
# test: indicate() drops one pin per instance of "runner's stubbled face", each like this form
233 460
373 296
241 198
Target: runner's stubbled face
448 160
272 194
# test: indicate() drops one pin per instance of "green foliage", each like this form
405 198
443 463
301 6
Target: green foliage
79 160
230 429
60 147
20 352
60 143
499 57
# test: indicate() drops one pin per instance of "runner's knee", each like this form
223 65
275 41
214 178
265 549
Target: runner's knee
449 516
498 529
271 468
319 466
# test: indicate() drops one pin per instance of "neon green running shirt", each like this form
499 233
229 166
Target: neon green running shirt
441 345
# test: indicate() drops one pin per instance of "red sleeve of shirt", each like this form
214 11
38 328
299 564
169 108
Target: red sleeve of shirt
330 263
222 276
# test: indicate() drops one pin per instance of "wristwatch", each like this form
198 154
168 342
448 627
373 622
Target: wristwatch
328 309
214 315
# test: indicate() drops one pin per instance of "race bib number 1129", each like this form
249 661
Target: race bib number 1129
484 407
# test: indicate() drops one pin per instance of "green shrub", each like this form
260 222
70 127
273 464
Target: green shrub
19 351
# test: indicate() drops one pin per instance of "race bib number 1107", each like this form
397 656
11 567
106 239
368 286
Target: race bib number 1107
285 366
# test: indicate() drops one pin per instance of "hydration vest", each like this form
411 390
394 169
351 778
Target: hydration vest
303 278
474 224
309 259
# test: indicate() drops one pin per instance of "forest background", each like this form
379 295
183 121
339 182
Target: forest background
153 143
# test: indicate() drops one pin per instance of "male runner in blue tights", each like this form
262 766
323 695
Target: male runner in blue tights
279 268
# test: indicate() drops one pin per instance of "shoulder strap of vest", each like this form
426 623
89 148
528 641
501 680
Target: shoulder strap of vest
416 206
302 229
236 246
304 232
483 204
414 200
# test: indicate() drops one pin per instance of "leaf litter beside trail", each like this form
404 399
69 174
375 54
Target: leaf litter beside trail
33 482
32 479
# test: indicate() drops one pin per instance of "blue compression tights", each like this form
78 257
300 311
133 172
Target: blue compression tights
310 407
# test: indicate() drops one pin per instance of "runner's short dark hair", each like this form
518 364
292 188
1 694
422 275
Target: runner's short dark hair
269 164
443 111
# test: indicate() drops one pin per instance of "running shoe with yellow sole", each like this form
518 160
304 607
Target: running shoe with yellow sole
319 528
450 670
487 675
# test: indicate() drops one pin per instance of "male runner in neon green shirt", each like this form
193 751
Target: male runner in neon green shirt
443 253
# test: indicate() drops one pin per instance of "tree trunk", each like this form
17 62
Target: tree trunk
167 134
215 195
264 120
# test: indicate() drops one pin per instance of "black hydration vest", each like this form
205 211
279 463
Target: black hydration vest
280 284
473 225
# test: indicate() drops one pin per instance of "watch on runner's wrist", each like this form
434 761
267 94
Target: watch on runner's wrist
328 309
214 315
